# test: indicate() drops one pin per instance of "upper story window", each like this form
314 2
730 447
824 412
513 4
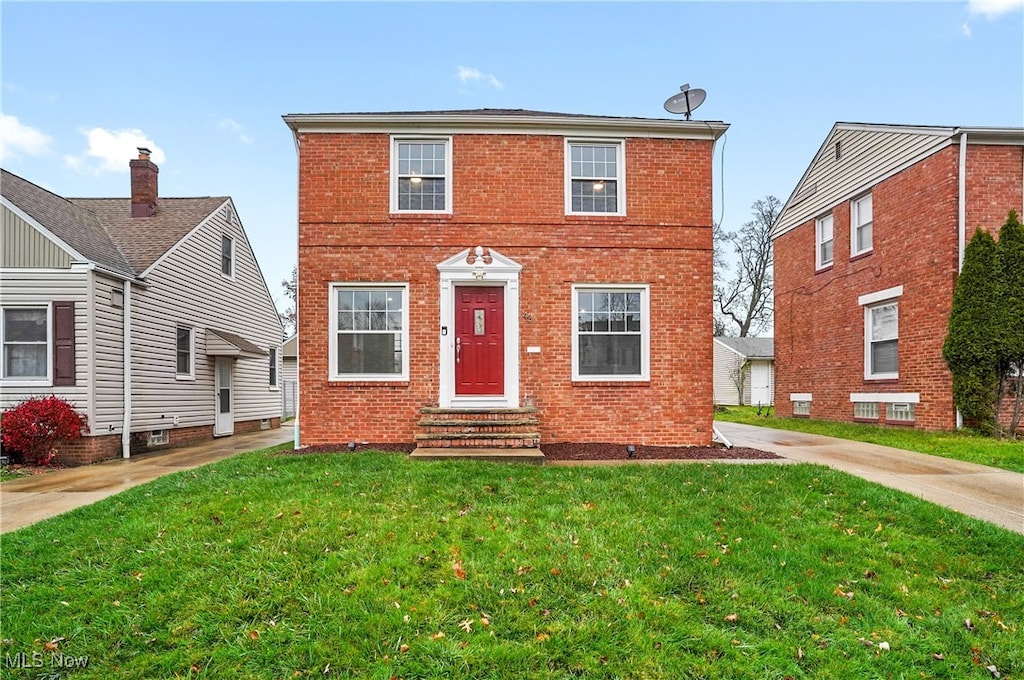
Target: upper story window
369 332
273 367
611 336
421 175
227 256
823 242
185 364
26 343
860 225
595 178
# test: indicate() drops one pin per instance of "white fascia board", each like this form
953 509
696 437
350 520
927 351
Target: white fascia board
491 124
887 397
880 296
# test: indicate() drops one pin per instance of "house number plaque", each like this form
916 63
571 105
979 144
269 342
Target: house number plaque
478 322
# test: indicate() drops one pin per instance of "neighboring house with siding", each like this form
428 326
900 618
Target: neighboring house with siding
867 252
744 371
199 355
504 278
290 376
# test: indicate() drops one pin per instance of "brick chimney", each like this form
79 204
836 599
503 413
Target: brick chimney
144 172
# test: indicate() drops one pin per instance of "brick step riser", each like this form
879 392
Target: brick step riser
475 417
510 443
479 429
465 422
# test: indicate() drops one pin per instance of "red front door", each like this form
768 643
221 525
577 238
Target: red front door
479 340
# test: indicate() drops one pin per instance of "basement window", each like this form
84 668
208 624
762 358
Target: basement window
159 438
802 409
899 413
865 410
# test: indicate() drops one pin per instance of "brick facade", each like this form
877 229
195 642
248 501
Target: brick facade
508 196
88 450
819 323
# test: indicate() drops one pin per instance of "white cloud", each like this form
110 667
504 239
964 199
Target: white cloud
966 28
467 74
235 128
994 8
17 138
110 150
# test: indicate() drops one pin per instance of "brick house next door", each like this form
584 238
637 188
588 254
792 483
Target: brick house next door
479 336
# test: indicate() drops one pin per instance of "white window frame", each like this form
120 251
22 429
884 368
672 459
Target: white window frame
620 170
427 139
645 331
869 340
191 375
33 381
274 364
231 242
332 332
856 224
819 241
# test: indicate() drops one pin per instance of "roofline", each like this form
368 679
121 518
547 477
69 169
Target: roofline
167 253
496 123
35 224
729 347
975 135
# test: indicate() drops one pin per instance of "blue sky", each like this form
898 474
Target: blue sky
205 85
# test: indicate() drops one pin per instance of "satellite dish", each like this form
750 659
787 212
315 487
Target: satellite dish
686 102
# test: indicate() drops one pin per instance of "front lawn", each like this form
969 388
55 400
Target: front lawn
373 565
966 446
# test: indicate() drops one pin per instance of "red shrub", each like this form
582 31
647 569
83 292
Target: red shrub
32 427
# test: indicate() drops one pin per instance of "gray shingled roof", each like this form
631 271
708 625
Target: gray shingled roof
144 239
103 230
76 226
752 348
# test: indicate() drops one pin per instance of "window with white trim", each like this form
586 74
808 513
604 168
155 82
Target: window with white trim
595 178
823 241
370 332
227 256
421 175
861 225
802 408
272 378
611 336
25 333
184 354
881 341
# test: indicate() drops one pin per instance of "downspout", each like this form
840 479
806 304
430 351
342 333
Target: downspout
127 372
961 224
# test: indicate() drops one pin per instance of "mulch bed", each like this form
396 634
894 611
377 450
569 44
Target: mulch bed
587 451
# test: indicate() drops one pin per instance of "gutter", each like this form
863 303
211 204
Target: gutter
127 373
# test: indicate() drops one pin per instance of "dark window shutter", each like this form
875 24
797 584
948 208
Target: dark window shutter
63 344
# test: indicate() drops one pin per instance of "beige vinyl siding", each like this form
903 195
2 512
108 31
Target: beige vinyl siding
25 247
186 287
108 357
867 156
43 288
725 361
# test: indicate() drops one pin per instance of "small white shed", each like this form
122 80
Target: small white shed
744 371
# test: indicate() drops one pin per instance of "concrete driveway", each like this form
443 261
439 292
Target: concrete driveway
980 491
29 500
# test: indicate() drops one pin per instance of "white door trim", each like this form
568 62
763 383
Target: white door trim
463 270
223 424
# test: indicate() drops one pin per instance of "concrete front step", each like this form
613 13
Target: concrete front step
534 455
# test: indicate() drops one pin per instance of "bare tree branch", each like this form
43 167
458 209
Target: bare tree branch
745 299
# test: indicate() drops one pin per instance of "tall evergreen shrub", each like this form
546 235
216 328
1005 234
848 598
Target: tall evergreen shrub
1011 320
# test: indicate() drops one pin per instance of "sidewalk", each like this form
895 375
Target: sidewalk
980 491
29 500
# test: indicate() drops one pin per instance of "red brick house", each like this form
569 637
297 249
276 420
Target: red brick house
867 251
504 278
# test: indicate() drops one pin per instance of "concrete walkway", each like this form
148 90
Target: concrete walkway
980 491
29 500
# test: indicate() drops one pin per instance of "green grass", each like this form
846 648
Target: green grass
280 566
965 446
